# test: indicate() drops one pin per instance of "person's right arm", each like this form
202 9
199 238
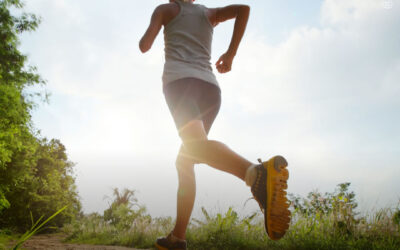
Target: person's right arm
241 14
152 31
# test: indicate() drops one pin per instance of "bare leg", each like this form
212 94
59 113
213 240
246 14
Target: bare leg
186 193
213 153
197 148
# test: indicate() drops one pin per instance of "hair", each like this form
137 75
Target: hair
186 1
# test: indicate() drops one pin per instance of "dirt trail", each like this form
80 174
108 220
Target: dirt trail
54 242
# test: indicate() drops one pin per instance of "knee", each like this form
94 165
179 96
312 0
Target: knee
185 169
194 146
184 163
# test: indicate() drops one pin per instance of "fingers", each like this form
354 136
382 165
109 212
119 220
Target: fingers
223 64
220 68
223 68
219 61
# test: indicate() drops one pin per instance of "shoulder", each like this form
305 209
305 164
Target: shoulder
212 14
166 11
218 15
167 7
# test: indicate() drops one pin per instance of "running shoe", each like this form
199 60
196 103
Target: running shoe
269 191
166 243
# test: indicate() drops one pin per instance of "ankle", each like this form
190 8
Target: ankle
251 175
177 236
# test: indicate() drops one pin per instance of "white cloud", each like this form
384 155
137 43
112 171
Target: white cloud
324 97
342 66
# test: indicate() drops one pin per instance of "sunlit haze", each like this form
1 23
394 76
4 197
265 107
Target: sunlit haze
315 81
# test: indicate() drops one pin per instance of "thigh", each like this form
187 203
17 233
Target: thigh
181 97
193 131
209 105
194 105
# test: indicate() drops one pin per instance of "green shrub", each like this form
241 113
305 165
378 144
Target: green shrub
319 221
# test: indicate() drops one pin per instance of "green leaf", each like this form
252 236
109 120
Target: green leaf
35 228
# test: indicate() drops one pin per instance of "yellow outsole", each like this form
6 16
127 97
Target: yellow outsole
160 247
277 217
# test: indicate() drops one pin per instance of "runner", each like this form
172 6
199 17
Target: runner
193 96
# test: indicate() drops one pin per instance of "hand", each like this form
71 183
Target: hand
224 63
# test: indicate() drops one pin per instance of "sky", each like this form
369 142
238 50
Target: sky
314 81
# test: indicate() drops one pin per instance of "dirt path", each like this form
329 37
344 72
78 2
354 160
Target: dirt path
54 242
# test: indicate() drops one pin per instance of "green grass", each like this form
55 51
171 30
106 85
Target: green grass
6 237
320 221
93 229
228 231
36 228
317 232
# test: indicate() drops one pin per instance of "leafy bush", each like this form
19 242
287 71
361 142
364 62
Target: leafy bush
121 213
319 221
222 230
396 217
46 188
125 222
340 205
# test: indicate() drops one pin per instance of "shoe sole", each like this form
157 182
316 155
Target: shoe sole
158 247
277 217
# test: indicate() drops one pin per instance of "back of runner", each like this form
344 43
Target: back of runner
193 96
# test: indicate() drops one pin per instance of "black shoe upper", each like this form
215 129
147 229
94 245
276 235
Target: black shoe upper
259 189
167 243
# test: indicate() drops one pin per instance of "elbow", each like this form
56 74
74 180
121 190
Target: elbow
144 47
244 9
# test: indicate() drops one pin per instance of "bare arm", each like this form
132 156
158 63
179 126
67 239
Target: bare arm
152 31
241 15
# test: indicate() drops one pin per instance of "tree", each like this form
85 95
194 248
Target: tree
49 186
35 174
15 107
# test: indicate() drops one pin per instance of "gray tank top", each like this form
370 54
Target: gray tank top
188 40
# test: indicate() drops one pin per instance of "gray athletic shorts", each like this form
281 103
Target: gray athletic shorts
193 99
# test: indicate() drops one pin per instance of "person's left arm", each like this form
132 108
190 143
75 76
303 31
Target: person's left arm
240 13
152 31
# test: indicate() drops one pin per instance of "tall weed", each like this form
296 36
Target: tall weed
319 221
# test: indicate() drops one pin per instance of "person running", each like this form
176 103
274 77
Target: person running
193 96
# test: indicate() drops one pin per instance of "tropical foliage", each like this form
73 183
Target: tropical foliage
121 212
35 174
